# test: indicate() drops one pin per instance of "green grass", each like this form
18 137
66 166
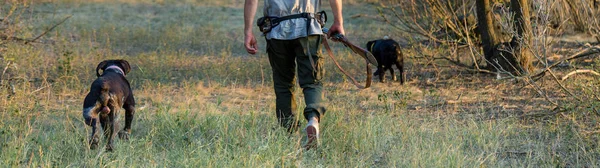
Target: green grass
165 138
203 102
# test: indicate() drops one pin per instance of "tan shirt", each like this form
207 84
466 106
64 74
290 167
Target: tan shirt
292 28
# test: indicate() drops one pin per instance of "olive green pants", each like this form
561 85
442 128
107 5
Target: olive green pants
288 57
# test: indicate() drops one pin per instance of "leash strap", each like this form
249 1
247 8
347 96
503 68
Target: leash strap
312 62
273 21
369 74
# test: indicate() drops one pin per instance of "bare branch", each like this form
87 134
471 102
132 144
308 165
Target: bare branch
540 91
580 71
589 51
48 30
562 86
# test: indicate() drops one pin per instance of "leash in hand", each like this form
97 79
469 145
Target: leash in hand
369 58
356 49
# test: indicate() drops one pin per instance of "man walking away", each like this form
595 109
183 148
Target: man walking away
293 36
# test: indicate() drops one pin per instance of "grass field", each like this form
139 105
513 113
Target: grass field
203 102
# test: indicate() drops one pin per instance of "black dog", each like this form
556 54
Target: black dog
387 52
108 94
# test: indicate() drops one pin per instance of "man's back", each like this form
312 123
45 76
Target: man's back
292 28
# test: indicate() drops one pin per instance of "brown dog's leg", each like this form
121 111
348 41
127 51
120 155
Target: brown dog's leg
129 113
105 128
114 129
94 139
109 127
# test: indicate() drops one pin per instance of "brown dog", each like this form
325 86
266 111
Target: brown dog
108 94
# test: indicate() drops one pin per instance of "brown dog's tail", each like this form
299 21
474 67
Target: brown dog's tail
104 98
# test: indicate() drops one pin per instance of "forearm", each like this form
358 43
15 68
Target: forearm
336 8
249 12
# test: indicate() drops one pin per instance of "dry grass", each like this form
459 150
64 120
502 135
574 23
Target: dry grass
202 102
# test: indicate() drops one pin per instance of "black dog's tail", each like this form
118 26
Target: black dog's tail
104 98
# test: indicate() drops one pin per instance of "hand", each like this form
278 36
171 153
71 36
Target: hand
335 29
250 43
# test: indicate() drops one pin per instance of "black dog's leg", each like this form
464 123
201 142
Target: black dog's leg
400 67
376 71
129 113
94 139
400 64
381 74
392 73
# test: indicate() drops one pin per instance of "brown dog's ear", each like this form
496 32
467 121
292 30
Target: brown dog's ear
125 66
102 66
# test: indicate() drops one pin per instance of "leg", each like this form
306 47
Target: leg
309 78
94 139
114 129
312 87
400 64
392 73
381 73
283 66
110 128
129 113
90 118
376 72
401 69
106 128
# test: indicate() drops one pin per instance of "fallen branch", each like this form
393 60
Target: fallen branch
563 87
556 110
589 51
540 91
579 71
41 88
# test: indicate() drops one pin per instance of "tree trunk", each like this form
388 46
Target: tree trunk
512 57
522 24
489 38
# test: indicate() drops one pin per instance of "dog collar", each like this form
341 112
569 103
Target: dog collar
117 68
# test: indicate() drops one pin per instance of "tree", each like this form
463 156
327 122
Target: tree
513 57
